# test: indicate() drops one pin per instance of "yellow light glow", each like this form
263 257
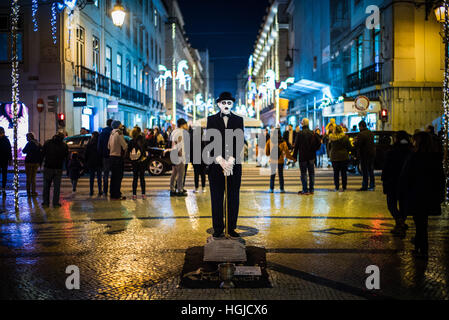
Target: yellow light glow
440 13
118 14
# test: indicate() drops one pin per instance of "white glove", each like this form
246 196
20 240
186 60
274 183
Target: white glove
231 162
225 165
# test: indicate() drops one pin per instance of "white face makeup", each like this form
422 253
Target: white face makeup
226 106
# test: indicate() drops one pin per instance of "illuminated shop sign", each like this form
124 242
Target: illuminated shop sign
7 122
79 99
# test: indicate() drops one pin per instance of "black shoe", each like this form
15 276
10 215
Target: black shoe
172 193
234 235
57 205
181 194
218 235
371 189
362 189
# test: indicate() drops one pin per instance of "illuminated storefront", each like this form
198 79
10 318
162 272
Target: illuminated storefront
6 121
345 112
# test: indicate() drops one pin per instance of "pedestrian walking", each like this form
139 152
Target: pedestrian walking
305 149
321 151
339 146
138 156
364 143
394 162
178 153
277 152
196 151
74 168
103 152
421 187
5 158
54 153
33 159
94 164
117 147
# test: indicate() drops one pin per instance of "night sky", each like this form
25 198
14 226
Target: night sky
228 28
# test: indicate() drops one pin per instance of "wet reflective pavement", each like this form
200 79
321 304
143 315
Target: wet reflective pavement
318 246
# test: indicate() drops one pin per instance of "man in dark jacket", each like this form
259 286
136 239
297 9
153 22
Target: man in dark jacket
421 187
32 161
394 162
103 152
364 143
55 153
306 145
226 165
5 157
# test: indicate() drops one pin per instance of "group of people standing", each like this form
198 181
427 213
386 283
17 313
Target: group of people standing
413 181
307 147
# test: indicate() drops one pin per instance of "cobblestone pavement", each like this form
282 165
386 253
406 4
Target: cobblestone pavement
318 246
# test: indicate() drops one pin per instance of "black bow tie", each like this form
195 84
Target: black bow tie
224 115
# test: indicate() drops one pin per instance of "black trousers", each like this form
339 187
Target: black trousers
199 170
116 166
4 168
139 173
367 166
217 189
92 173
52 176
106 171
395 210
280 168
421 236
340 167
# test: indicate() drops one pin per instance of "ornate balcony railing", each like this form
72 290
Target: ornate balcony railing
90 79
364 78
85 78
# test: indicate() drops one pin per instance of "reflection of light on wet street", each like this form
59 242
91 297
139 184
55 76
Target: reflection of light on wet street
192 211
135 249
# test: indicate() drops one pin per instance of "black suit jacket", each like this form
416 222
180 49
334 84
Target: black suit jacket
234 147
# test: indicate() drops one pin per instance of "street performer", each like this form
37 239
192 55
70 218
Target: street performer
226 163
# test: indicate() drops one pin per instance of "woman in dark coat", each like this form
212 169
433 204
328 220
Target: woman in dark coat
394 162
422 188
94 163
74 169
137 154
339 146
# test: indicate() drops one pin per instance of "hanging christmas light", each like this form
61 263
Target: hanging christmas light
54 12
446 98
15 94
34 7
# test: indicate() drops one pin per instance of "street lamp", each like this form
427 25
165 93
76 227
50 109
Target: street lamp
118 14
440 12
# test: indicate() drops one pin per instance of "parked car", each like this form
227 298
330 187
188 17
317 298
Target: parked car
383 141
158 163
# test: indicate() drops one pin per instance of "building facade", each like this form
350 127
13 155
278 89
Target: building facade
266 68
186 90
87 70
388 51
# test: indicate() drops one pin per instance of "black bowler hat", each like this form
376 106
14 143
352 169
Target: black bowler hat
225 96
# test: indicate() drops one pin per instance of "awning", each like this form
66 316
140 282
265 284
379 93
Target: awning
302 87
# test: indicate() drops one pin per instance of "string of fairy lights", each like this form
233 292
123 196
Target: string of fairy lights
15 93
34 7
446 98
